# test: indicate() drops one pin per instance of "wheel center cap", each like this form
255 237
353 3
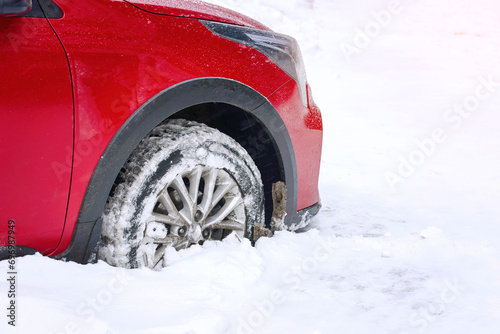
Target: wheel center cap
194 232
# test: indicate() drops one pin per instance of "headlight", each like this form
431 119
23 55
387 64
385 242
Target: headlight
281 49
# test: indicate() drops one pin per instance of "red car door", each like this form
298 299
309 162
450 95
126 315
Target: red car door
36 132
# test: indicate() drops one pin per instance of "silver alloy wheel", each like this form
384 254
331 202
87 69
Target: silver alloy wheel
185 183
204 203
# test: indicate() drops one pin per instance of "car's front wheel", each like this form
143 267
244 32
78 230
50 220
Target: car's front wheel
184 184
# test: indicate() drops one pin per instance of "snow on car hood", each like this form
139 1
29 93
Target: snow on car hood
196 9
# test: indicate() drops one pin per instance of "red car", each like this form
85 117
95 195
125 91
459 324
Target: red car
131 126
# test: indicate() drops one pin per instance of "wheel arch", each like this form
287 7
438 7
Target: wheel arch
174 102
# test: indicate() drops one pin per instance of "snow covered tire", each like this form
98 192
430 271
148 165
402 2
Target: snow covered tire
185 183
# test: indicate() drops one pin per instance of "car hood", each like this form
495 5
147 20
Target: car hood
196 9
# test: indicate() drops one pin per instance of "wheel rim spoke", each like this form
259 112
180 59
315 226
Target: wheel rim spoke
208 191
222 190
187 212
153 260
229 224
223 212
161 218
182 245
169 205
194 183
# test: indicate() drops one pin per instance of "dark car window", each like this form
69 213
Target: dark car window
39 7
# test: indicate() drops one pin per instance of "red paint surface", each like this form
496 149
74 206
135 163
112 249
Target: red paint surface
197 9
36 130
306 138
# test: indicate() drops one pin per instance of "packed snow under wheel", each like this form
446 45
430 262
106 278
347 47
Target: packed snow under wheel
184 184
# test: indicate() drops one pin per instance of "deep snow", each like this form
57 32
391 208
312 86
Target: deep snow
418 257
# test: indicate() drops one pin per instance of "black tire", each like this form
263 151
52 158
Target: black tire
167 192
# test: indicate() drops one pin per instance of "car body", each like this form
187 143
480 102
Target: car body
84 81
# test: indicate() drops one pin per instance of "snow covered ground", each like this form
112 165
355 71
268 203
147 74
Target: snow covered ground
408 237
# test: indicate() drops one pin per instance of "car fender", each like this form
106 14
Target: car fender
165 104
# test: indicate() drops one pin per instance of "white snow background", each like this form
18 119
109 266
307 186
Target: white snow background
407 240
